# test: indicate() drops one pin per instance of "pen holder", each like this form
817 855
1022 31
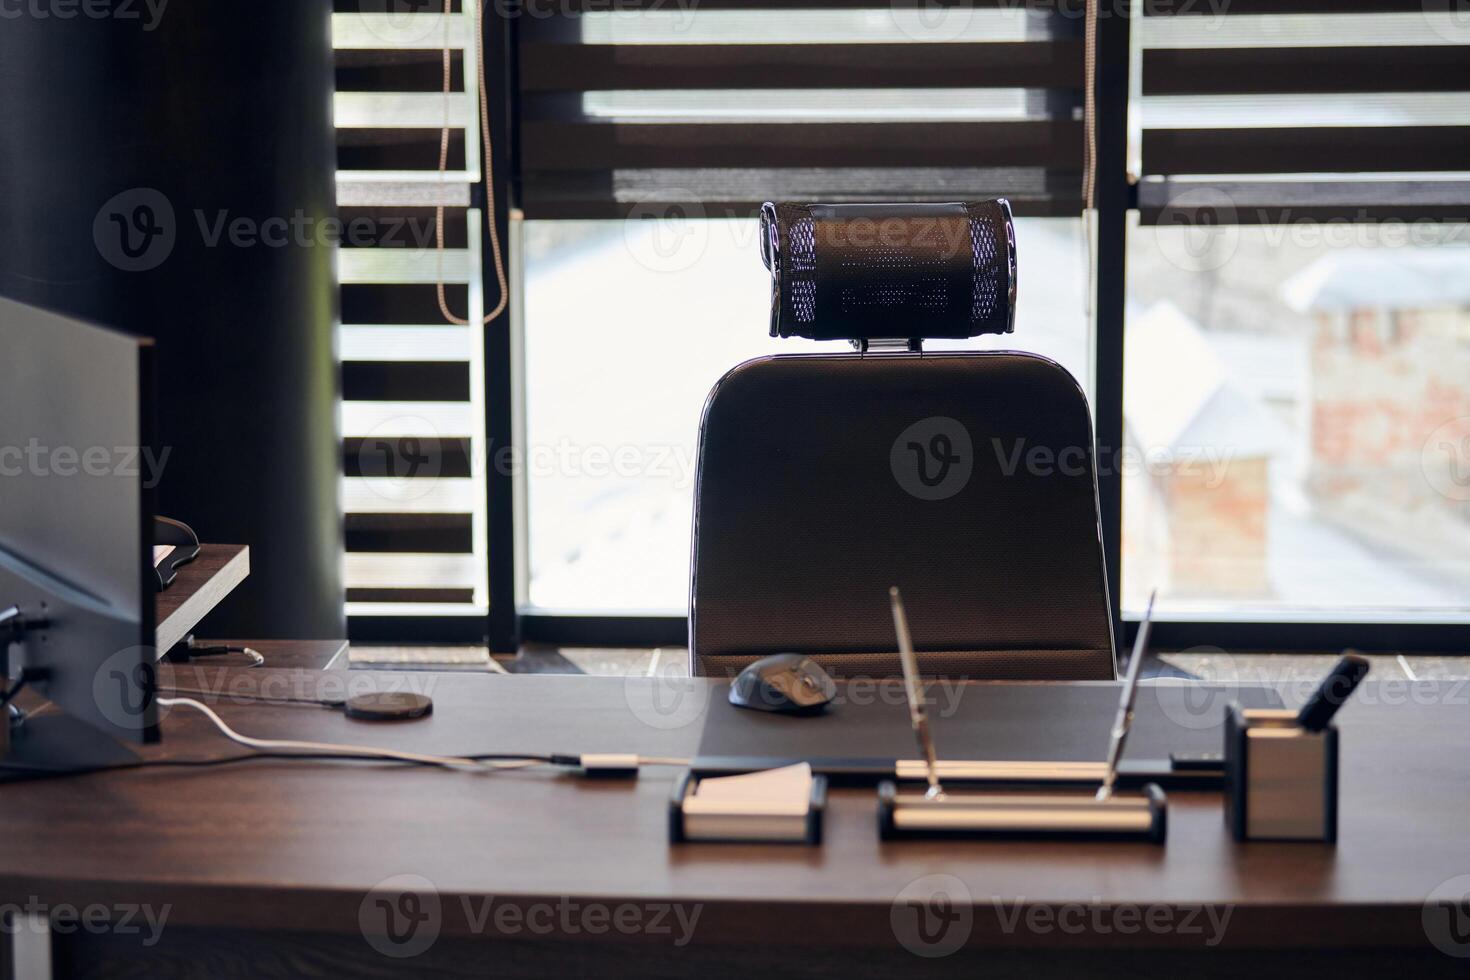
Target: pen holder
1280 778
694 820
911 813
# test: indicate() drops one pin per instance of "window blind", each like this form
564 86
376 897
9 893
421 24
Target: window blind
1277 109
719 105
412 380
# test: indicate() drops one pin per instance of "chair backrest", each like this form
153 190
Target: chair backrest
966 479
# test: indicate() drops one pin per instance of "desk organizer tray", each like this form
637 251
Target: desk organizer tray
694 820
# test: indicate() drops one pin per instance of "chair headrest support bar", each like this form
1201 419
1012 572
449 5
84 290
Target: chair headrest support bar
868 271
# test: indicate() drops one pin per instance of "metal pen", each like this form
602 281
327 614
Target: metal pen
918 717
1124 719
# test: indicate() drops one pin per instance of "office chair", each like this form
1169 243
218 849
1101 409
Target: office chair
966 479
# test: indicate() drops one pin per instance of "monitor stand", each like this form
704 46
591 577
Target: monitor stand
51 742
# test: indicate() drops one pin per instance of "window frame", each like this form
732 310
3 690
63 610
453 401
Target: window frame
510 623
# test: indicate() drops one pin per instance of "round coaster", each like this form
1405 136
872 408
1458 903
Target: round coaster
388 707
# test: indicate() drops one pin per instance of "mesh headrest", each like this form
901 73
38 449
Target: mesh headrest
871 271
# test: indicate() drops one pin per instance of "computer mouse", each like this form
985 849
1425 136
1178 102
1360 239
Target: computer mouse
786 683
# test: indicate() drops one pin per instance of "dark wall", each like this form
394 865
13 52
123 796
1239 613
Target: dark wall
170 173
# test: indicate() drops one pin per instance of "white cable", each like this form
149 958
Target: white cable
346 751
368 752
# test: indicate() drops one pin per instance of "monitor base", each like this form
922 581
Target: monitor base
55 742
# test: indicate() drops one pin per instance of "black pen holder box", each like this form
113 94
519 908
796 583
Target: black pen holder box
1280 778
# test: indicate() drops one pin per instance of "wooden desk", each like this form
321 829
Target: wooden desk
267 868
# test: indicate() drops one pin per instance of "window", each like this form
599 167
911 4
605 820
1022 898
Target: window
628 326
1295 393
1267 307
649 138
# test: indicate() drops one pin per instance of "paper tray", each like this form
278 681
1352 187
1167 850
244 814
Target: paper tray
691 821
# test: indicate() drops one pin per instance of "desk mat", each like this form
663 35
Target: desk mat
866 729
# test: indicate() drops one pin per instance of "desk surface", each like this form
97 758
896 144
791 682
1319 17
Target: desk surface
293 845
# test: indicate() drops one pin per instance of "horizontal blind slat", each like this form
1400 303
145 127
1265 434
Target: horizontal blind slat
390 533
608 145
1314 150
1230 71
397 381
409 495
1194 202
590 67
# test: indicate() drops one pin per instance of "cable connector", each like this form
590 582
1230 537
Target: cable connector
610 765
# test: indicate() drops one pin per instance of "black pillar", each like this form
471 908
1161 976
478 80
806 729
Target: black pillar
167 168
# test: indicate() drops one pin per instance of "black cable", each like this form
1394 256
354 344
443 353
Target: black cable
27 674
9 695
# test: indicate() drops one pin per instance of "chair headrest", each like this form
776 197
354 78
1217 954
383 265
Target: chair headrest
878 271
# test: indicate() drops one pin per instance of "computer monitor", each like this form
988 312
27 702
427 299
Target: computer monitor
77 469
